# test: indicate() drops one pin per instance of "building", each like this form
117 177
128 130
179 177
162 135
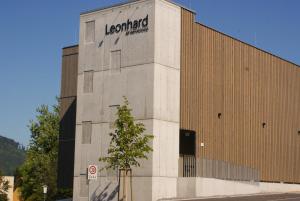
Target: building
10 192
227 111
67 117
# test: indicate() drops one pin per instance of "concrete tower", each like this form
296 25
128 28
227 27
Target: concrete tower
130 50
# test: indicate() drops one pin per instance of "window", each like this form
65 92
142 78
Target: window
90 32
187 142
115 60
113 109
88 81
86 132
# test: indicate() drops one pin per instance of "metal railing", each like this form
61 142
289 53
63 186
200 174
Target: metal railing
189 166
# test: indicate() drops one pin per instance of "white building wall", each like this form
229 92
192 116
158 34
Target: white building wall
144 67
166 99
10 193
209 187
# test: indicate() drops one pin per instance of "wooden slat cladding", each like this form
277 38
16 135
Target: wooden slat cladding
67 51
67 117
69 72
243 103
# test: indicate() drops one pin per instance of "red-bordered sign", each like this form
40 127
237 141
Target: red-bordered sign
92 172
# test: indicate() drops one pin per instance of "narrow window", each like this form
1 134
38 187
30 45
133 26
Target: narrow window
264 124
86 132
84 187
299 132
88 81
115 60
90 31
113 115
219 115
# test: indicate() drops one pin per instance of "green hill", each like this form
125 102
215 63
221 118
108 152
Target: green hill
12 155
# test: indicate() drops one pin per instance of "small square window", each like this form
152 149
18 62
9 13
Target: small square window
86 132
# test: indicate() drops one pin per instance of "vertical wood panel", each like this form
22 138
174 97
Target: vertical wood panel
248 87
67 117
69 72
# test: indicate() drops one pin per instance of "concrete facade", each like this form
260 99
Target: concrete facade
206 187
144 67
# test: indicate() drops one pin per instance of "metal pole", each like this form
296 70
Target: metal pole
119 183
45 191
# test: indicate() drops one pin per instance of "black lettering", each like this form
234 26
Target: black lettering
118 28
106 32
129 24
145 21
112 29
131 27
124 27
135 24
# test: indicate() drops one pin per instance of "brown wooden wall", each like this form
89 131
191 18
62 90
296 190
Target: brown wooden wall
67 117
248 87
69 72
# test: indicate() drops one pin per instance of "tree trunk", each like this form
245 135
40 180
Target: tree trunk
125 185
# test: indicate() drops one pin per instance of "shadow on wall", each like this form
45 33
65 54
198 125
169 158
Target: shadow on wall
105 195
66 143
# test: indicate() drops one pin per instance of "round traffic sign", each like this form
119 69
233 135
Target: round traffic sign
92 169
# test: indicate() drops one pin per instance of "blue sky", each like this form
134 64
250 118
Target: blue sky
33 32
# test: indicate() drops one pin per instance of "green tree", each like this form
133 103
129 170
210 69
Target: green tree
128 144
4 186
40 166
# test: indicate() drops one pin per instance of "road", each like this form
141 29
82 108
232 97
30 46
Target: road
274 197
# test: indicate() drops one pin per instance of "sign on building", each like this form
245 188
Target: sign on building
92 172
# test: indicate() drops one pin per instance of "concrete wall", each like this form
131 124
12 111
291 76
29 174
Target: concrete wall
144 67
204 187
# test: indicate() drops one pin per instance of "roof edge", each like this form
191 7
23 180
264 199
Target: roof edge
132 2
265 51
70 46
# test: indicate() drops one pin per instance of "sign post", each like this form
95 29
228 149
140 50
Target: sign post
45 188
92 172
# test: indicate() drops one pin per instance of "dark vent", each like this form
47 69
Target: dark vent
219 115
